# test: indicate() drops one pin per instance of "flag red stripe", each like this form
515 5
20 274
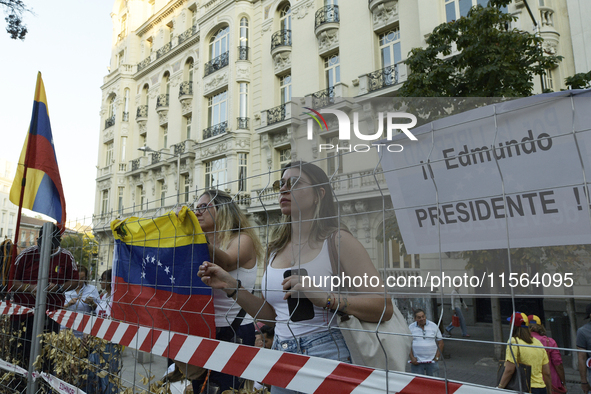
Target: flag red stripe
240 360
285 369
346 378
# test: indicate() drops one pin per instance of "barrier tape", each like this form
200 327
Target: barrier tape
292 371
8 308
58 384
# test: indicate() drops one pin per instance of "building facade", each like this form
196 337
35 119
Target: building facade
8 211
200 94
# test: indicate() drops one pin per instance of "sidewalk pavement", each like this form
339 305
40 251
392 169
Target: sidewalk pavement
469 360
465 360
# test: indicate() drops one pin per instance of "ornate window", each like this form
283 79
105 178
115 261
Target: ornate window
285 17
285 88
188 121
243 32
242 171
284 157
217 111
455 9
390 47
105 202
243 100
120 200
218 44
215 173
332 70
109 154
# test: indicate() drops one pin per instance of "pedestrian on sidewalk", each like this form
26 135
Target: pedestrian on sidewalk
427 346
584 343
457 303
538 331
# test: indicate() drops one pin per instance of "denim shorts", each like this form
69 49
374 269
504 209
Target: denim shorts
327 344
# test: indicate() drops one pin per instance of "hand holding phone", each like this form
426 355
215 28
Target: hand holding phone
300 308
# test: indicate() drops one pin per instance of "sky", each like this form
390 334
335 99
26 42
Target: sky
69 42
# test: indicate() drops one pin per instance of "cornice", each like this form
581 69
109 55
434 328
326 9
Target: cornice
156 19
175 51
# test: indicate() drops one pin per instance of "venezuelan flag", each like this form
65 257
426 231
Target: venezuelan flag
155 282
38 167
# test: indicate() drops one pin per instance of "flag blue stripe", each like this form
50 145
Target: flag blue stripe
168 269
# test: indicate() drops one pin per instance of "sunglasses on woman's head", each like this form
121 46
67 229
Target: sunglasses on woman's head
289 183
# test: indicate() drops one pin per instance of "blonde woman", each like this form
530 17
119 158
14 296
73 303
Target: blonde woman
234 246
302 243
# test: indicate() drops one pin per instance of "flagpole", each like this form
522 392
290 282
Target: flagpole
34 118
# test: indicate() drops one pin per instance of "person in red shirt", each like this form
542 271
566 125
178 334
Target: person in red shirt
63 276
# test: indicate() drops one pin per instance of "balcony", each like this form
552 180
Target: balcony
135 164
218 129
156 157
276 114
243 53
144 63
326 28
179 148
279 39
162 101
242 123
326 97
186 89
142 113
110 122
386 77
187 34
217 63
164 50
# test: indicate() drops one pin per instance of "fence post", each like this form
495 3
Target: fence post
40 303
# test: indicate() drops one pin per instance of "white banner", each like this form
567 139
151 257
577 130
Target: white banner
452 192
59 385
13 368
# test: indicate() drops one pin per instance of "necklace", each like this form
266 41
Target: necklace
299 246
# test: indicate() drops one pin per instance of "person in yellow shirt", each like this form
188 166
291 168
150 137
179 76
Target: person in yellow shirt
536 357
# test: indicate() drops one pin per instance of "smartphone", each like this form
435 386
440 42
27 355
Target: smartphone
300 308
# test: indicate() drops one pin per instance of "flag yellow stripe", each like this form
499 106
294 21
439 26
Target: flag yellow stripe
166 230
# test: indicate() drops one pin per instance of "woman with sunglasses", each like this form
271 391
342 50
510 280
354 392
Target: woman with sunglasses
235 247
302 243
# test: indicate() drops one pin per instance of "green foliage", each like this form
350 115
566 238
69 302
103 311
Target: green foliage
579 81
14 19
83 246
491 60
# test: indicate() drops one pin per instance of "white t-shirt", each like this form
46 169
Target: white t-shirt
85 292
227 308
273 292
103 306
424 341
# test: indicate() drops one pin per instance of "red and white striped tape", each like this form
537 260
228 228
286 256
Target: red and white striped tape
59 385
293 371
13 309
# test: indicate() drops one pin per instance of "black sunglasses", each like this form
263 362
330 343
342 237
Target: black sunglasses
289 182
203 207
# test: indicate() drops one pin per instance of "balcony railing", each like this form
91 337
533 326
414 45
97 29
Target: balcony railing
179 148
125 117
187 34
276 114
323 98
109 122
164 50
135 164
186 89
214 130
243 53
242 123
144 63
281 38
156 157
142 111
217 63
327 14
379 79
162 101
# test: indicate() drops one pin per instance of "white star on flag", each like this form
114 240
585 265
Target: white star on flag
153 259
159 263
143 274
172 279
167 270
